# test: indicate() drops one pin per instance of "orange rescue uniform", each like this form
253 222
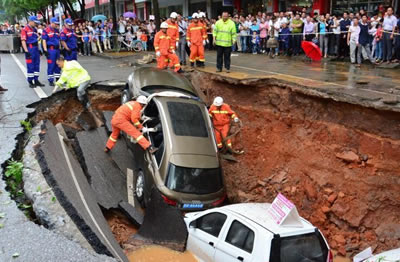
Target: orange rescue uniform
173 32
164 44
125 114
195 35
221 117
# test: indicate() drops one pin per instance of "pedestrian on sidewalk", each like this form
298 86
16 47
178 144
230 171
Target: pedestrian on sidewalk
353 42
323 37
74 76
127 118
264 27
29 41
144 39
284 37
255 42
224 36
365 39
296 25
69 41
51 46
309 29
86 39
344 28
389 25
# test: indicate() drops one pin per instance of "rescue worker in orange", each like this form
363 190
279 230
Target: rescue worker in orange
173 29
195 37
123 118
165 50
221 115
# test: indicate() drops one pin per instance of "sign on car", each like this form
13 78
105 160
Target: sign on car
284 213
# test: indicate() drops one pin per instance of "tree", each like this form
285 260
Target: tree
97 7
156 13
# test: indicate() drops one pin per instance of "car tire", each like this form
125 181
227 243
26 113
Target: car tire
125 96
139 187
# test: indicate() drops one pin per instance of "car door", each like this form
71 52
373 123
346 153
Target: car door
237 244
203 235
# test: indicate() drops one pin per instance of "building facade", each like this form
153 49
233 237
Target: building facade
142 8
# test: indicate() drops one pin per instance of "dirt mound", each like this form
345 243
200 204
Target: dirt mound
337 162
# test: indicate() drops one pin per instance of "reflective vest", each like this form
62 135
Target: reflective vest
29 35
196 34
224 33
73 74
130 111
221 115
69 37
52 36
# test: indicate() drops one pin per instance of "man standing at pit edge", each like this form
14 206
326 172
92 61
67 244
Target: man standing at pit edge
224 36
51 47
29 41
69 41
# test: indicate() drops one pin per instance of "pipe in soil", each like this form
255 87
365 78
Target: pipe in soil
338 162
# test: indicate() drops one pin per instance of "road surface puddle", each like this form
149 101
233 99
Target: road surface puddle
160 254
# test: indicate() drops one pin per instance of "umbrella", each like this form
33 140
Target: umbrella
311 50
129 15
99 17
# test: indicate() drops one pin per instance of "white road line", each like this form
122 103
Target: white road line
38 90
60 137
129 186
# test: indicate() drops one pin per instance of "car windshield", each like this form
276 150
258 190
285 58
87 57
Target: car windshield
302 248
187 119
194 180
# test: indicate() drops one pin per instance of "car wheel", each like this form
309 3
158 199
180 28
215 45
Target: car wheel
125 97
139 187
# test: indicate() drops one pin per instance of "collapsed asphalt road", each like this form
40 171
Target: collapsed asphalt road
85 181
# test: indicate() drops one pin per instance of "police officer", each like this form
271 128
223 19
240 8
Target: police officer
69 41
29 40
51 47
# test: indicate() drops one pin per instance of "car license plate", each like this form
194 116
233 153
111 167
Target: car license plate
193 205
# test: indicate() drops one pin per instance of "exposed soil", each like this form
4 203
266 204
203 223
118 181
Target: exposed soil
120 225
158 253
337 162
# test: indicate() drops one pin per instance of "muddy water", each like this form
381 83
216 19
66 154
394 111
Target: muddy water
160 254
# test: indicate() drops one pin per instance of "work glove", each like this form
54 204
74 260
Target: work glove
236 120
57 88
207 41
144 129
28 55
173 51
177 44
69 52
189 44
158 54
204 42
46 54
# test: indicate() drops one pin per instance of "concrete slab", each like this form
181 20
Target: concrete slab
107 118
135 216
64 174
106 179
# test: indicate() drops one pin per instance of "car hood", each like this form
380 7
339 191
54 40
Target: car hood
194 160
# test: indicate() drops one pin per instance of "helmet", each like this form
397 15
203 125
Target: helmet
68 21
54 20
173 15
164 25
218 101
142 100
34 19
195 15
202 14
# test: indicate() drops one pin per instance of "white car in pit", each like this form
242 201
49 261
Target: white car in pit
387 256
245 232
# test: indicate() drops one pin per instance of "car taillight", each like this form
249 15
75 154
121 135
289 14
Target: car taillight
330 256
219 201
169 201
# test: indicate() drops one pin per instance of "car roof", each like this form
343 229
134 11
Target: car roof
183 148
150 76
257 212
390 255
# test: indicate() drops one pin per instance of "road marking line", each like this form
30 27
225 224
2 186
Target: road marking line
306 79
41 94
60 137
129 186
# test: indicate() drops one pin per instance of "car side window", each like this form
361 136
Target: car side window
211 223
240 236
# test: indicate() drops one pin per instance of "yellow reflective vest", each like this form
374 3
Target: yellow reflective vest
224 33
73 74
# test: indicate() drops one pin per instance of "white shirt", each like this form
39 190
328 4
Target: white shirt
121 27
389 22
355 33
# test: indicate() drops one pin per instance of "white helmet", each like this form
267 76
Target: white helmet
173 15
164 25
195 15
202 14
218 101
142 100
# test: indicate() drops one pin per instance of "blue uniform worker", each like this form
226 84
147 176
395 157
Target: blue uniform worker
29 40
51 46
69 41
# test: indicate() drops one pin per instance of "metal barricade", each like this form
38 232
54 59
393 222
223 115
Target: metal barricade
10 43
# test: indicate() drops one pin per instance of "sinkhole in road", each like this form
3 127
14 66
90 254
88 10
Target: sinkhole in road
337 161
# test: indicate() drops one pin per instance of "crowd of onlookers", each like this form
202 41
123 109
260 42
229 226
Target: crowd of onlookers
361 37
